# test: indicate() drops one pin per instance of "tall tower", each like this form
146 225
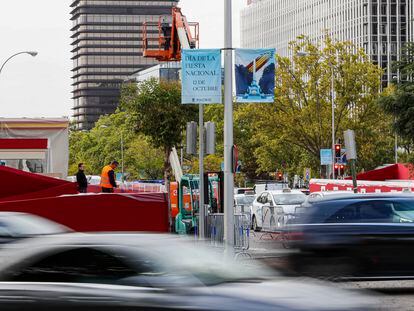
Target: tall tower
107 49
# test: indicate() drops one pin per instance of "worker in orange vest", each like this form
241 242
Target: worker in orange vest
108 177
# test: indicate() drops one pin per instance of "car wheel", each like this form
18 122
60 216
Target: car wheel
331 269
255 227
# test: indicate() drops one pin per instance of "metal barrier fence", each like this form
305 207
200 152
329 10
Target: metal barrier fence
215 230
142 187
276 225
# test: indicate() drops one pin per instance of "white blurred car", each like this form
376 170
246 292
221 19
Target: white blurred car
94 180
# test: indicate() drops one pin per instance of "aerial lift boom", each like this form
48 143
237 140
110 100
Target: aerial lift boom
170 37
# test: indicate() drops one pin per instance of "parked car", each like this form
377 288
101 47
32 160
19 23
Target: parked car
243 202
15 226
357 236
270 185
71 178
94 180
150 272
242 190
270 208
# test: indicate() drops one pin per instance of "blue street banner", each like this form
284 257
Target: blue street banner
255 75
326 157
201 76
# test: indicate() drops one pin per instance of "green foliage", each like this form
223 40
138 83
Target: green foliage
398 102
286 135
102 144
156 111
405 65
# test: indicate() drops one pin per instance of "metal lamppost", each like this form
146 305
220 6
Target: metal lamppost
303 54
31 53
228 129
122 157
397 78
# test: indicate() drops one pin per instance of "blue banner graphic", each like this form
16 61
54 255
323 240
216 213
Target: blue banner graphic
201 76
326 156
255 75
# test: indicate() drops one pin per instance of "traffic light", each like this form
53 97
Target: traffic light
192 137
279 176
337 151
342 170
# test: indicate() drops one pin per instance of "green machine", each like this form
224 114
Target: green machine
186 221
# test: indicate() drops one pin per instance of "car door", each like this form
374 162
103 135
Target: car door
256 209
267 210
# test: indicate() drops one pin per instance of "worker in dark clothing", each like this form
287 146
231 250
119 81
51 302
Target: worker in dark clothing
108 182
166 30
81 179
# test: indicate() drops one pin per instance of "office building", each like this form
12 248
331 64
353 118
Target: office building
107 49
168 71
381 27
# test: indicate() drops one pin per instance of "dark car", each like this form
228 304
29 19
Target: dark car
355 236
14 226
149 272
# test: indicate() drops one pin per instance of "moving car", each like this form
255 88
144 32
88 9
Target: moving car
149 272
319 195
271 208
356 236
15 226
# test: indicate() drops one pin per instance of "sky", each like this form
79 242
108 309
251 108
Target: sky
41 86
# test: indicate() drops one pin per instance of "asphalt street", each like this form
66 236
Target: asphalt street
389 295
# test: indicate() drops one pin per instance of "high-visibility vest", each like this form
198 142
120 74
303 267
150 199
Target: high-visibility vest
105 183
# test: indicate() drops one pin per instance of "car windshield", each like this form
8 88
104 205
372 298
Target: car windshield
289 198
29 225
245 200
404 209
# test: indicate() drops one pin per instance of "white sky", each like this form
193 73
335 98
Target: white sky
41 86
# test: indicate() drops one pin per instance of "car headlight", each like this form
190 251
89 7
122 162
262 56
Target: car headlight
405 220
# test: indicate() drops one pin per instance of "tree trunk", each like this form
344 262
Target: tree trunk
167 165
167 174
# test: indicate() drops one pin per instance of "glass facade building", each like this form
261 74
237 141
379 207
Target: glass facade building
107 49
381 27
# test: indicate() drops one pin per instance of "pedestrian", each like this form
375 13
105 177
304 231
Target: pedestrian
108 182
81 179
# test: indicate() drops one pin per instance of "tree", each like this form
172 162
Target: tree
156 111
398 100
399 103
102 144
405 66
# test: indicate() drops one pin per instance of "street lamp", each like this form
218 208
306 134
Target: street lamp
304 54
396 78
31 53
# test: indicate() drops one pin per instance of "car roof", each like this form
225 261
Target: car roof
28 248
285 191
239 195
361 196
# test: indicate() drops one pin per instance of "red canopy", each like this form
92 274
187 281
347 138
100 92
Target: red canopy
100 212
19 185
390 172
